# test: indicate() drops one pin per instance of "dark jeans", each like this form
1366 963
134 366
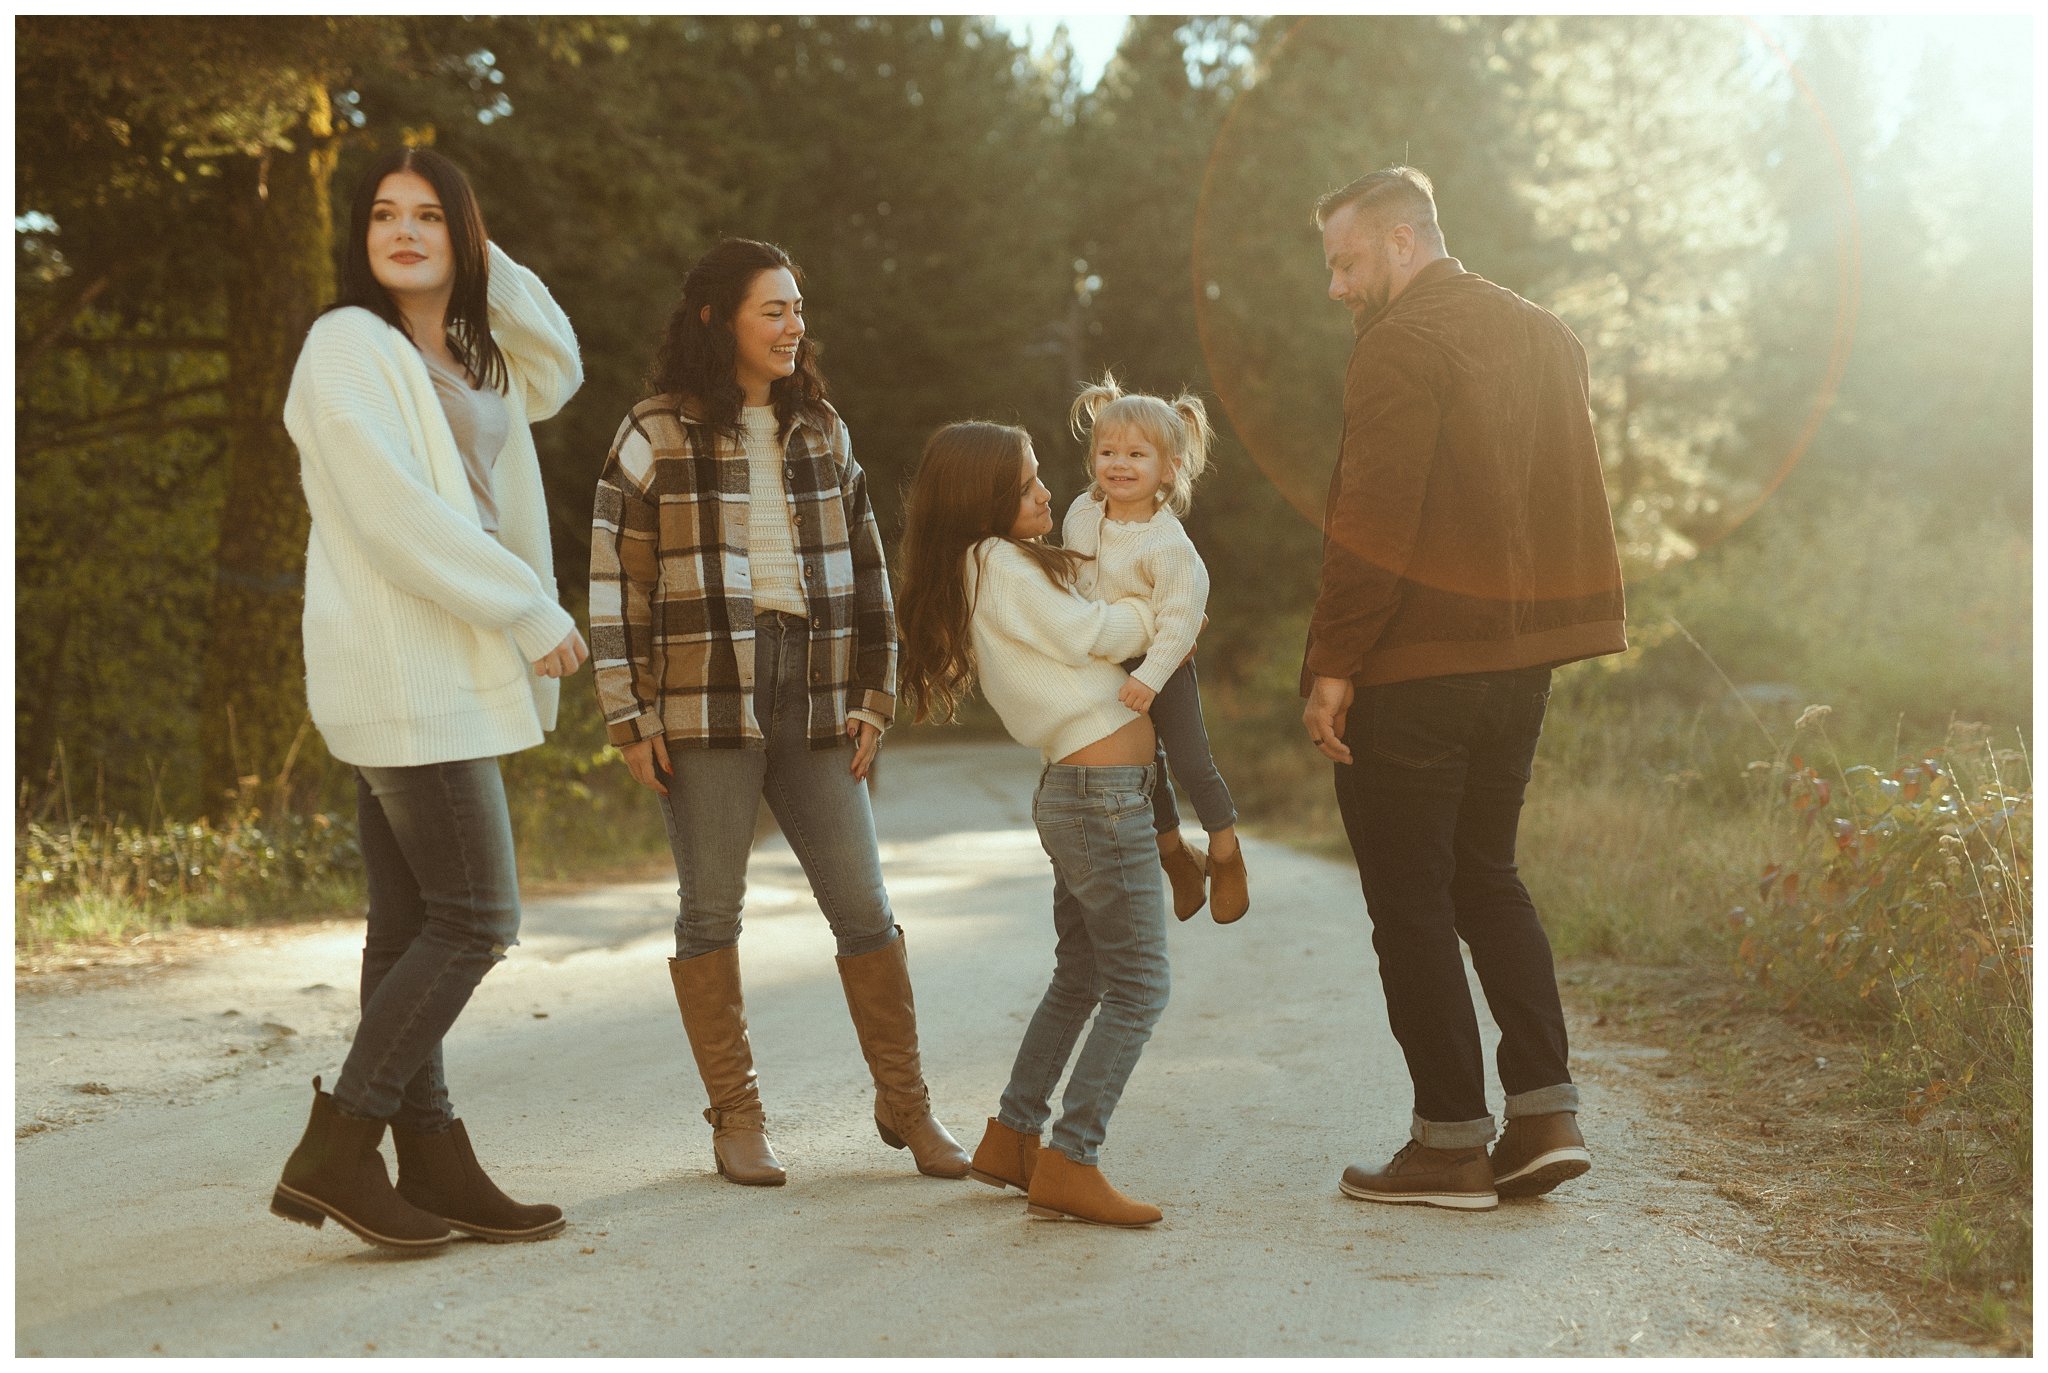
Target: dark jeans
1431 801
444 907
823 810
1184 747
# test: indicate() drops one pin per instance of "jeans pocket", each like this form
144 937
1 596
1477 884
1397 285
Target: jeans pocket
1423 723
1064 837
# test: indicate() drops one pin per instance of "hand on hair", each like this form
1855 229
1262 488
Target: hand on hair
1136 695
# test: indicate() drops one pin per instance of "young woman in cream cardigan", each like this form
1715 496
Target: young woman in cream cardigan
434 644
986 601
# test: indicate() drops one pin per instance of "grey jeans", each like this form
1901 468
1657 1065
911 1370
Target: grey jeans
822 808
1109 913
444 908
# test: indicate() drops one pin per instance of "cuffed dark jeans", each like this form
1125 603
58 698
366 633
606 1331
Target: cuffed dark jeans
444 907
1431 801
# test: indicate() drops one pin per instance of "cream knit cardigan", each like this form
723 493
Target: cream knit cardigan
420 628
1154 561
1046 656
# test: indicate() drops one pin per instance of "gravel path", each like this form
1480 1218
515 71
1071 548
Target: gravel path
152 1119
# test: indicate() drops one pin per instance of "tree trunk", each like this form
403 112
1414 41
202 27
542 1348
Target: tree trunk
280 225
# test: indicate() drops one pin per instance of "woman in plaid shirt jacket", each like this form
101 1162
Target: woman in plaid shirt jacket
745 645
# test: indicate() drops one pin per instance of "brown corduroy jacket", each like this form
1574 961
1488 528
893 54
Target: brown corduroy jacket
1467 528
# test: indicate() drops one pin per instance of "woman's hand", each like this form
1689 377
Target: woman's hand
564 658
1191 653
1135 695
641 759
866 740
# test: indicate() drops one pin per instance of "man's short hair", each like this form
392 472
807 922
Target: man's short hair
1391 195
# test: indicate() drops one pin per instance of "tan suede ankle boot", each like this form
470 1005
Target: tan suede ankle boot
1005 1157
1062 1189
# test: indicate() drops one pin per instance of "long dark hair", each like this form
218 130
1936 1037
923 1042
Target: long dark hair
967 489
698 359
469 316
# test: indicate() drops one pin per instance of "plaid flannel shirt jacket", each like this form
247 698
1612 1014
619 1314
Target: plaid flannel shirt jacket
671 598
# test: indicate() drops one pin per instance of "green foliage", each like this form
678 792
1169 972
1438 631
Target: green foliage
99 879
1902 614
1908 895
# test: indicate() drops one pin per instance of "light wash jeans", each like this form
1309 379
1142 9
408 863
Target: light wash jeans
713 795
1109 912
444 907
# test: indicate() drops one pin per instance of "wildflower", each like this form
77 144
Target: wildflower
1812 715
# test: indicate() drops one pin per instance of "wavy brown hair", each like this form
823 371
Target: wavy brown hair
967 488
698 358
469 311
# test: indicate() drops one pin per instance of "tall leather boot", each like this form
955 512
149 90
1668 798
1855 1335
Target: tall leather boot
878 997
439 1174
336 1171
715 1019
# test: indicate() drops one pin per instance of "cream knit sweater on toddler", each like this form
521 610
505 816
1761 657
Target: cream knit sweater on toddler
1155 562
420 628
1045 655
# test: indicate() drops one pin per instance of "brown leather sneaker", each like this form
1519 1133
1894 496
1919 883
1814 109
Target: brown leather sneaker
1535 1153
1457 1179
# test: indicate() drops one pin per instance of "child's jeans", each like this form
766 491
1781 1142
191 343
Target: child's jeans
1109 911
1184 744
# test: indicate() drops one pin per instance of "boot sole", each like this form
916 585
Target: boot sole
490 1236
993 1181
296 1206
1041 1212
719 1163
1544 1172
1449 1201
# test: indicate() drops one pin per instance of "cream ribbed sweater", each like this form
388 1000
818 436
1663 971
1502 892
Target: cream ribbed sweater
420 628
774 571
1154 561
1046 656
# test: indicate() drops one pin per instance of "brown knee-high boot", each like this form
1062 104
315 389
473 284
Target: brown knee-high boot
715 1019
884 1017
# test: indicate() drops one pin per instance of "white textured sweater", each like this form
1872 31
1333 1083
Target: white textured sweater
1154 561
1045 655
420 628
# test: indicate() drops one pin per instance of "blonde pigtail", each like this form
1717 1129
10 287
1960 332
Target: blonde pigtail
1081 419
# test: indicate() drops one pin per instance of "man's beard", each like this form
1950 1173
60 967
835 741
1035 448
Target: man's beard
1364 306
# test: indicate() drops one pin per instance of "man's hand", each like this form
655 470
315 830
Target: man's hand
1329 702
866 740
641 758
1136 695
564 658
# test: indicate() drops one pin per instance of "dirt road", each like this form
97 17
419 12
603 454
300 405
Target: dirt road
152 1119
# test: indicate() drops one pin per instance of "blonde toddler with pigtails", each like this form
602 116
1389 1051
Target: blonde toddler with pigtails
1144 456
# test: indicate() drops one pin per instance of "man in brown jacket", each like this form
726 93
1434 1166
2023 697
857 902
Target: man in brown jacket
1467 550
